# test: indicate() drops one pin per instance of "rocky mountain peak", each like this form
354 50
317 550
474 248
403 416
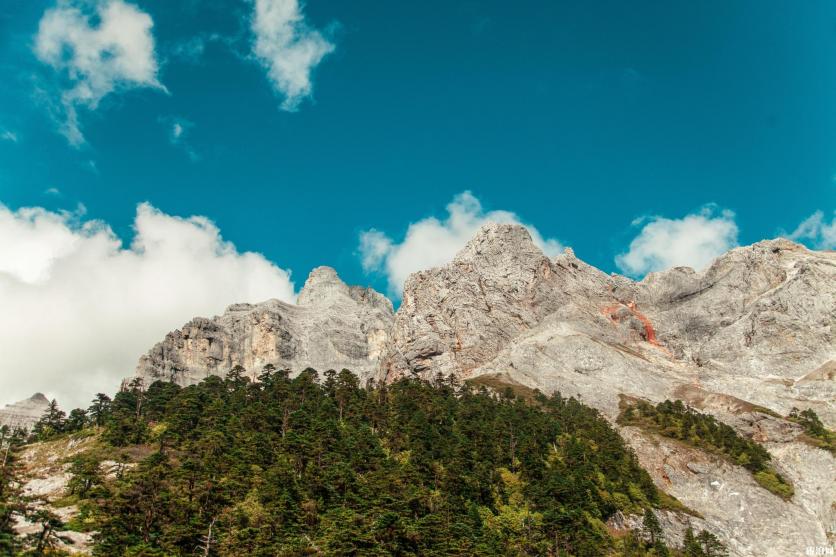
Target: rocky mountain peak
495 242
24 413
322 286
333 326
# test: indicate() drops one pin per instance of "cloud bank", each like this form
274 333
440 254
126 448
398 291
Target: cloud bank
431 242
288 48
95 59
79 308
692 241
816 231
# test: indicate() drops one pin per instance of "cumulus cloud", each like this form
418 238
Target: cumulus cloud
816 231
96 52
79 307
288 48
692 241
431 242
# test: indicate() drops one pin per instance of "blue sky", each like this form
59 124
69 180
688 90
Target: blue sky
596 123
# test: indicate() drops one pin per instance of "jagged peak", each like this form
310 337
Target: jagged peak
39 397
495 238
322 284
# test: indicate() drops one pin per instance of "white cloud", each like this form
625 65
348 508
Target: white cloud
692 241
178 131
817 231
9 136
431 242
79 308
288 48
115 53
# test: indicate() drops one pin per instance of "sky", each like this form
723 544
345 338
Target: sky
161 160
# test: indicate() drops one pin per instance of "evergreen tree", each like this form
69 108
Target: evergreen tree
50 424
651 527
99 410
11 499
691 547
76 421
711 546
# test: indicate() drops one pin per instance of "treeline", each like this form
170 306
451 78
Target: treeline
678 421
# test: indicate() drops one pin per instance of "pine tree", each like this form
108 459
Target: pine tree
11 499
76 421
711 545
651 527
99 410
691 547
51 423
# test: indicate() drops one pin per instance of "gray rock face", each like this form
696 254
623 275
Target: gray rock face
25 412
754 331
334 326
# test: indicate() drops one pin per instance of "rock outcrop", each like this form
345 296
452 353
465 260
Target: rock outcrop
24 413
333 326
747 339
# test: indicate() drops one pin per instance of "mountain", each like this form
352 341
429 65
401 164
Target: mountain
746 340
24 413
333 326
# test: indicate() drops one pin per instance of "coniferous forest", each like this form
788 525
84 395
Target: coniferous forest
316 465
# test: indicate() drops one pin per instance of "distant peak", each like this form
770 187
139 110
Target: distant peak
322 284
38 397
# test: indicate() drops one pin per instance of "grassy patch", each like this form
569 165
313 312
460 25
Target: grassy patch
772 481
671 503
501 383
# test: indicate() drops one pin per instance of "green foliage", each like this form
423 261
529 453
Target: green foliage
50 424
297 466
704 544
773 482
14 505
11 500
678 421
817 434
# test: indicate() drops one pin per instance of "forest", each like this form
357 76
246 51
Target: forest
320 465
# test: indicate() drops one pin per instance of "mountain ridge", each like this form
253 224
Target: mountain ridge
746 339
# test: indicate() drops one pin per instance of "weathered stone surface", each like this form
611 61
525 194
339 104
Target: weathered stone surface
25 412
333 326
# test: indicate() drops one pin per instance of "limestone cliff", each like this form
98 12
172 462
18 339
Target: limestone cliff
333 326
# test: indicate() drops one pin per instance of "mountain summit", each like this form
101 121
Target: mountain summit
747 340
